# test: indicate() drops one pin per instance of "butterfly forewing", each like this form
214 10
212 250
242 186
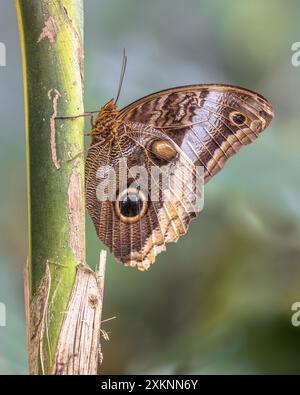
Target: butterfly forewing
199 118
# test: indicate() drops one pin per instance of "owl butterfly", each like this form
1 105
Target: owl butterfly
178 128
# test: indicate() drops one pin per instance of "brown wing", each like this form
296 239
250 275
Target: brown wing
138 243
204 120
205 124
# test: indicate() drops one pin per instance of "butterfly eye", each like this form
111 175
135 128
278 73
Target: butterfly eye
131 205
163 150
237 118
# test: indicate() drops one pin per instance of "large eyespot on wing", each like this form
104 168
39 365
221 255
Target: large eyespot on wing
123 221
208 122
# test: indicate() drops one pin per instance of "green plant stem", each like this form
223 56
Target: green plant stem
52 53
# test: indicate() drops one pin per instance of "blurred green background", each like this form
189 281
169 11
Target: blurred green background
219 301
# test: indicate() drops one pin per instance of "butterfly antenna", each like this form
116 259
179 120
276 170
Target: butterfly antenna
123 69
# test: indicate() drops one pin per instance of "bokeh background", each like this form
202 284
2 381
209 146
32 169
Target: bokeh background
219 301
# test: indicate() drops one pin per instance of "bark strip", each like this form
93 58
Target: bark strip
78 350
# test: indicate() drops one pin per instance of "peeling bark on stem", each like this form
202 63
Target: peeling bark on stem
64 296
78 350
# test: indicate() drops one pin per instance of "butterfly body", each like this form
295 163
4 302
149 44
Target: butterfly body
106 124
175 131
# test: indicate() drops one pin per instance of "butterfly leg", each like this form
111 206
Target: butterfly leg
73 116
77 116
92 120
71 158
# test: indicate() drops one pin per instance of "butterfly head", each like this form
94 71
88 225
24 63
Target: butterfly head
109 106
106 124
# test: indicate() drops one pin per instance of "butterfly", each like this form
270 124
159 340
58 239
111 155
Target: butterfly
176 129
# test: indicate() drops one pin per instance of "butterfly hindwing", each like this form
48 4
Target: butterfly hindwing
138 243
